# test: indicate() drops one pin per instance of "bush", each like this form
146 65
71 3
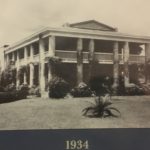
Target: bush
58 88
7 76
35 90
7 96
10 87
10 93
23 91
135 90
10 96
82 90
2 89
101 85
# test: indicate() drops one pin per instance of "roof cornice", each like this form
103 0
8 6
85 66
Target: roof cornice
83 33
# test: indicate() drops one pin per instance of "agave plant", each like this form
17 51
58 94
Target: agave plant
101 108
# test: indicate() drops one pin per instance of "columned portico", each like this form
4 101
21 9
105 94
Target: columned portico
126 64
79 61
76 45
115 66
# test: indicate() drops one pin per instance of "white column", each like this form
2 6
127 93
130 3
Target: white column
79 61
25 55
91 56
115 66
31 67
17 70
25 60
51 54
51 46
126 64
7 59
41 66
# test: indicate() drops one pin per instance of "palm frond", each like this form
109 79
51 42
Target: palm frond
86 110
112 108
101 108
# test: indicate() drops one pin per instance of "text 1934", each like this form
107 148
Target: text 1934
77 145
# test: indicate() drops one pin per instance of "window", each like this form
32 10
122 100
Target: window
35 48
21 53
28 50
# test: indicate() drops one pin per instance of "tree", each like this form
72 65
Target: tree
7 76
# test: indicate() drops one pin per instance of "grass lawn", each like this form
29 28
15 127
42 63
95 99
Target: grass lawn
37 113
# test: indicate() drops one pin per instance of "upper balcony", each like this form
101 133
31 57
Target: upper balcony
71 57
103 58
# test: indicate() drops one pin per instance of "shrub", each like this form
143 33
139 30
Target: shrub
101 85
7 76
82 90
58 88
2 89
35 90
101 108
135 90
7 97
10 96
23 91
10 87
10 93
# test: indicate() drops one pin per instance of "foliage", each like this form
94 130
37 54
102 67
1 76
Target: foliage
82 90
22 70
137 90
58 87
10 87
101 85
101 108
2 89
35 90
7 76
24 90
54 65
54 60
11 94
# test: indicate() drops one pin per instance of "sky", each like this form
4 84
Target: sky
20 18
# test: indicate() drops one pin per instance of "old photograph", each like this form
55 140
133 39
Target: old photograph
74 64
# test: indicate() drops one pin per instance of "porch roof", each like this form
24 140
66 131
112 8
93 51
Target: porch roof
80 33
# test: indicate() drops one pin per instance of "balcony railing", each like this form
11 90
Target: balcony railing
101 57
71 56
136 59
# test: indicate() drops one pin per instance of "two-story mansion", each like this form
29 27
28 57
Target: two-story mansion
77 45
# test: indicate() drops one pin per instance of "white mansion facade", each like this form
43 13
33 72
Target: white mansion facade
78 44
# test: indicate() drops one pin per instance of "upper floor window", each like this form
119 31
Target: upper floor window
46 43
10 56
15 55
35 48
66 43
28 50
21 53
104 46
